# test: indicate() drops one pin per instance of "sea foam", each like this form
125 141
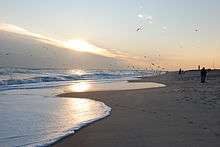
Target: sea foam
39 120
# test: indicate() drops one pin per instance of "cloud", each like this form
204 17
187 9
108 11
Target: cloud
76 45
164 29
71 44
145 19
140 16
18 30
149 19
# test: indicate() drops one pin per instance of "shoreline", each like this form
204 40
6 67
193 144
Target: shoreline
185 111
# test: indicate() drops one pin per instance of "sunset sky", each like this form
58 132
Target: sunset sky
174 33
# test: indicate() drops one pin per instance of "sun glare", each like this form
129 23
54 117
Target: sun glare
77 72
84 46
80 87
80 45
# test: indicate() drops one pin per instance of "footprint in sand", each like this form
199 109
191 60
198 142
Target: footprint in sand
191 122
205 128
217 134
184 117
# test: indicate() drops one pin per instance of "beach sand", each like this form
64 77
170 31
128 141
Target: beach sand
185 113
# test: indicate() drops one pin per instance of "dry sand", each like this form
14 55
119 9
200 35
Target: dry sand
186 113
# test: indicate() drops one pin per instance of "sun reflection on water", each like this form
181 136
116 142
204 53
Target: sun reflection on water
78 72
80 87
88 86
82 109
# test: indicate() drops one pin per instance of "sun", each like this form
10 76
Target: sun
84 46
80 45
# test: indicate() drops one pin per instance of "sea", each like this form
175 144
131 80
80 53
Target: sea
32 115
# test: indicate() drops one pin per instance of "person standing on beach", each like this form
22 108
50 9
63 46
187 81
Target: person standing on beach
203 75
180 71
180 74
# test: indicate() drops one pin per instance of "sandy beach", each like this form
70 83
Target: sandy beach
185 113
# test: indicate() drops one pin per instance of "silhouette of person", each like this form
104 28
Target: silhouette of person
203 75
180 71
180 74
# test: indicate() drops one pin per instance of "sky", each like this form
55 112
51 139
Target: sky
173 33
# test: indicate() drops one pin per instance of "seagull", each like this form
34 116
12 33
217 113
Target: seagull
197 28
140 28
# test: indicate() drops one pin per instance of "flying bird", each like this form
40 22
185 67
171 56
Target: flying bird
140 28
197 28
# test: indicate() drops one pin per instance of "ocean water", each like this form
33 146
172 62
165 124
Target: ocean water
32 115
23 78
38 120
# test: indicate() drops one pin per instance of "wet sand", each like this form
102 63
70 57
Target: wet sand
185 113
